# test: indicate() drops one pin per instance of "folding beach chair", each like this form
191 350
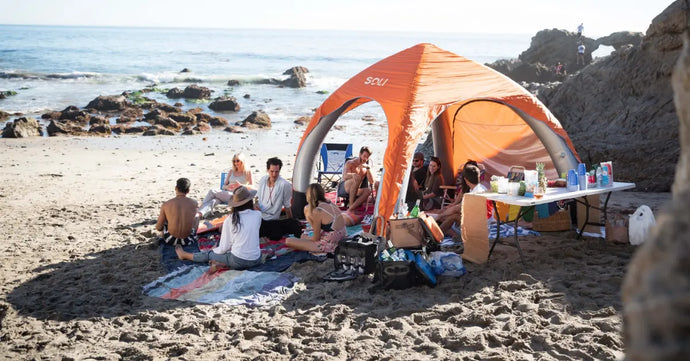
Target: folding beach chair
331 163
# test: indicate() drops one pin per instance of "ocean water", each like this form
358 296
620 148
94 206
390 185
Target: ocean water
51 67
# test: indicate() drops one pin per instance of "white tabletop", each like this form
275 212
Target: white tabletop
555 194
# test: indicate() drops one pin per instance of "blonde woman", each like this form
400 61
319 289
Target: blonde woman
237 176
327 221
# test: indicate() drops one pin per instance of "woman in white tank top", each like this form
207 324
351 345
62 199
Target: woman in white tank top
237 176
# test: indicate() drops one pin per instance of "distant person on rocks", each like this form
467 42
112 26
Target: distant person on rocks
178 217
275 195
237 176
559 68
580 29
239 238
581 54
357 179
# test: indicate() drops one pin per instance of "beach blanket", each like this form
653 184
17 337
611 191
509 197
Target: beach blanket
278 259
230 287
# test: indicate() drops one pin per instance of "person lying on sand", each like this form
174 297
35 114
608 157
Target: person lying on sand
237 176
356 179
239 237
327 221
177 219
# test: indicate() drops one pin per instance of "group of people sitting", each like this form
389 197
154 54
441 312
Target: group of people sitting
270 216
425 185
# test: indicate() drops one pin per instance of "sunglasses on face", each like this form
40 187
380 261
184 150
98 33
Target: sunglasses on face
237 161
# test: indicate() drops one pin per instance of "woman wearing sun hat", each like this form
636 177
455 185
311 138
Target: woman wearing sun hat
239 238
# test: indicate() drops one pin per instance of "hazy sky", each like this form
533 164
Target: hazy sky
600 17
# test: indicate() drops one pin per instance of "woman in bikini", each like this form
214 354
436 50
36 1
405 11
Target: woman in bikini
237 176
327 221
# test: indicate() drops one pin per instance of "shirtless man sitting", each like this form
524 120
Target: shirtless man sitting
357 178
177 219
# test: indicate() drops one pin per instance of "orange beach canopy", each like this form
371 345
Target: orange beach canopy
474 112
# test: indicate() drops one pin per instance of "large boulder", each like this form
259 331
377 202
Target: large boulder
101 129
175 93
197 92
57 127
218 122
166 123
257 119
109 102
183 117
22 128
225 103
549 47
297 78
75 114
157 130
4 115
621 107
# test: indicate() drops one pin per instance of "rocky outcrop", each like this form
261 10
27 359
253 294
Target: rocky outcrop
109 103
656 292
4 116
257 119
157 130
72 113
196 92
297 78
620 39
175 93
57 127
98 120
225 103
183 117
22 128
102 129
218 122
621 108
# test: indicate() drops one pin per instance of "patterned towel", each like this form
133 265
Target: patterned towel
231 287
508 230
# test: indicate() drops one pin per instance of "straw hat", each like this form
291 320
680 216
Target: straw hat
240 196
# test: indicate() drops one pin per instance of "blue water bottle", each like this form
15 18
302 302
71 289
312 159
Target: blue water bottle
582 176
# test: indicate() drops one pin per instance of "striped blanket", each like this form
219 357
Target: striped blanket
231 287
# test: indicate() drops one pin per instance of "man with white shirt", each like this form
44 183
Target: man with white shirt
275 194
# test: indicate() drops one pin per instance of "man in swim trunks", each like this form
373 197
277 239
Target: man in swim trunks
357 178
177 219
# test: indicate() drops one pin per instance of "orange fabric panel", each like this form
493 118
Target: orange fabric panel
417 85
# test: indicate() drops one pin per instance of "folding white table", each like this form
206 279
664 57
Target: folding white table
552 194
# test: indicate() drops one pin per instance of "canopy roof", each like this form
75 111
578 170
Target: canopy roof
480 114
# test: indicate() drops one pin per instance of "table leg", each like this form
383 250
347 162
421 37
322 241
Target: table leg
587 208
498 229
521 213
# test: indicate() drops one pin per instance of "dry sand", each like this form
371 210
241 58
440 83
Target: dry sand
78 220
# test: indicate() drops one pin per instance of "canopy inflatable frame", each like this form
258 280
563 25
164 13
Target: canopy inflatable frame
474 113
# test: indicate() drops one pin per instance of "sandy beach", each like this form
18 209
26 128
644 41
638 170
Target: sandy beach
78 216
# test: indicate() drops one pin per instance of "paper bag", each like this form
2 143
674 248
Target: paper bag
406 232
